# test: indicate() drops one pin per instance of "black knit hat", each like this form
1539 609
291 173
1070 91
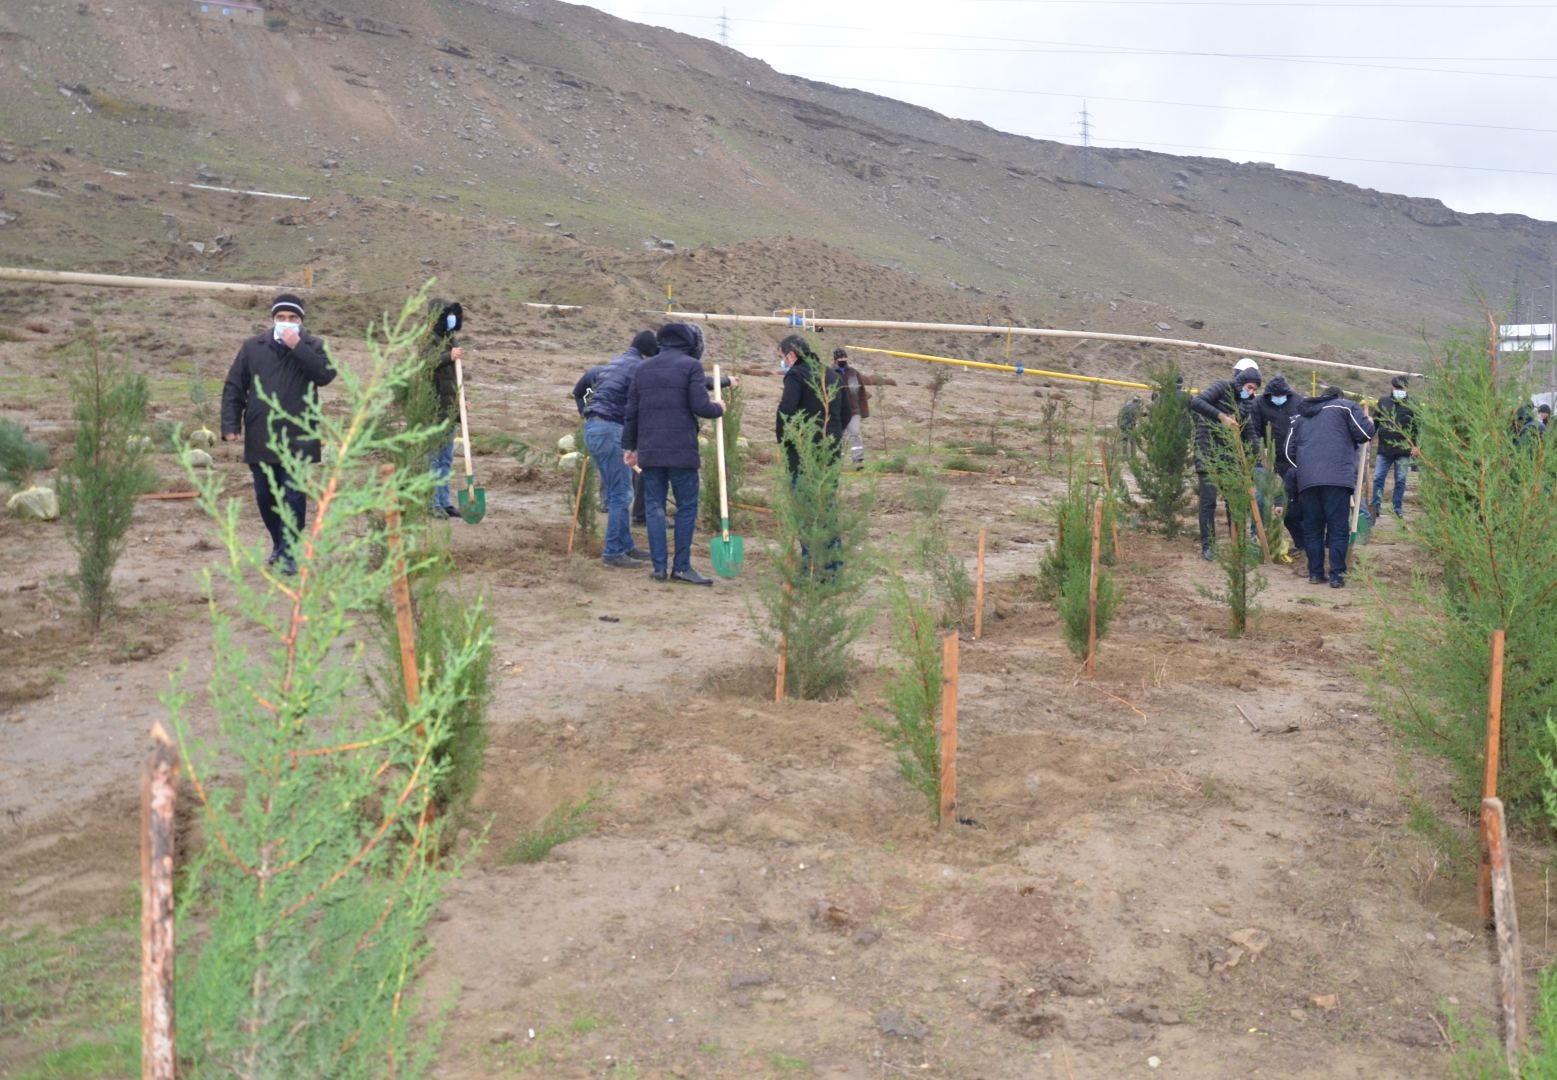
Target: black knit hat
286 302
840 354
646 343
1277 386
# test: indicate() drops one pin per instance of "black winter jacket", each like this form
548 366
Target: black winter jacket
1325 439
1272 422
291 376
800 399
1397 428
667 396
1210 405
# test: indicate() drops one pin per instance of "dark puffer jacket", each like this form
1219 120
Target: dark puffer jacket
1397 428
1216 401
667 396
606 387
291 376
438 353
1326 438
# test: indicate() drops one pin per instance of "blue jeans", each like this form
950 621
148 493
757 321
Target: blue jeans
282 506
603 440
1381 469
1327 513
440 461
683 482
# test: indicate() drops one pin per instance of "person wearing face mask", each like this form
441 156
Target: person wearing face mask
659 435
1324 441
1273 416
439 351
290 365
1230 402
859 405
1397 444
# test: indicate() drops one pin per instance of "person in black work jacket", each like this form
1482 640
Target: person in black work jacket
290 365
800 399
1397 444
439 352
1226 401
1324 442
1274 411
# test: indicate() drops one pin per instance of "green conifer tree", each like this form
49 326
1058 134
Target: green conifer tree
1161 470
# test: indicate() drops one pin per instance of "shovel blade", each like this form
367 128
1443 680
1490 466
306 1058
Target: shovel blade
1364 528
727 552
473 504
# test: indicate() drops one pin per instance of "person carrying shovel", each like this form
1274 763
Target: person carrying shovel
440 351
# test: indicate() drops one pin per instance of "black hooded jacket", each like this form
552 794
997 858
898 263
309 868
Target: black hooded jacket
1272 421
1326 438
667 395
291 376
1216 401
800 399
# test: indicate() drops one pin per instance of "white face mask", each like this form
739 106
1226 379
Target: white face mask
1398 395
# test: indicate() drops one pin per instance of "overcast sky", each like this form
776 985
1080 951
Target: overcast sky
1453 101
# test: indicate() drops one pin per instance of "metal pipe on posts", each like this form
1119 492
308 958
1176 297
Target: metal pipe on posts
806 322
118 281
1016 368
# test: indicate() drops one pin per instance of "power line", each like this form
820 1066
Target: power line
1206 105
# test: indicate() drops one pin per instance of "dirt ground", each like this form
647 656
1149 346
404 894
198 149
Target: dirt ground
764 895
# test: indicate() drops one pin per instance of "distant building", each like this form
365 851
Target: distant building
248 14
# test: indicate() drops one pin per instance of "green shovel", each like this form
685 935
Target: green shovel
726 552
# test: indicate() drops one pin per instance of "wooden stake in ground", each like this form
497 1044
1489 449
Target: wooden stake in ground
949 729
578 501
1510 985
1108 489
1097 546
978 591
783 651
404 626
1259 521
1489 783
159 790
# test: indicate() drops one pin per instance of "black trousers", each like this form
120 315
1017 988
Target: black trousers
282 505
1327 512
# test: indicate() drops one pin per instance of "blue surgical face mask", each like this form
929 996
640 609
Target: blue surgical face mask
451 320
1398 395
282 327
1246 393
1281 400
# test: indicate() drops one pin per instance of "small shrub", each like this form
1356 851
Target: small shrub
20 457
1161 470
914 694
567 822
819 565
940 375
1230 469
98 485
1065 575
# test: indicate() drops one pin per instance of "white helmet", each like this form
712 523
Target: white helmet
1245 362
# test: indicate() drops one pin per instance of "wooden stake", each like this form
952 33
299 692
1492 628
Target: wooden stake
404 627
978 591
1510 983
949 728
578 501
1108 489
1489 783
1097 545
783 651
1259 521
159 790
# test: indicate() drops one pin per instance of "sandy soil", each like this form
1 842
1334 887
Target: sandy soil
764 896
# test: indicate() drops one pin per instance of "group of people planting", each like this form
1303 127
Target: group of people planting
641 412
1318 445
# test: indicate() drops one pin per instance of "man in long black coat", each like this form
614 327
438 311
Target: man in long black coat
290 365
